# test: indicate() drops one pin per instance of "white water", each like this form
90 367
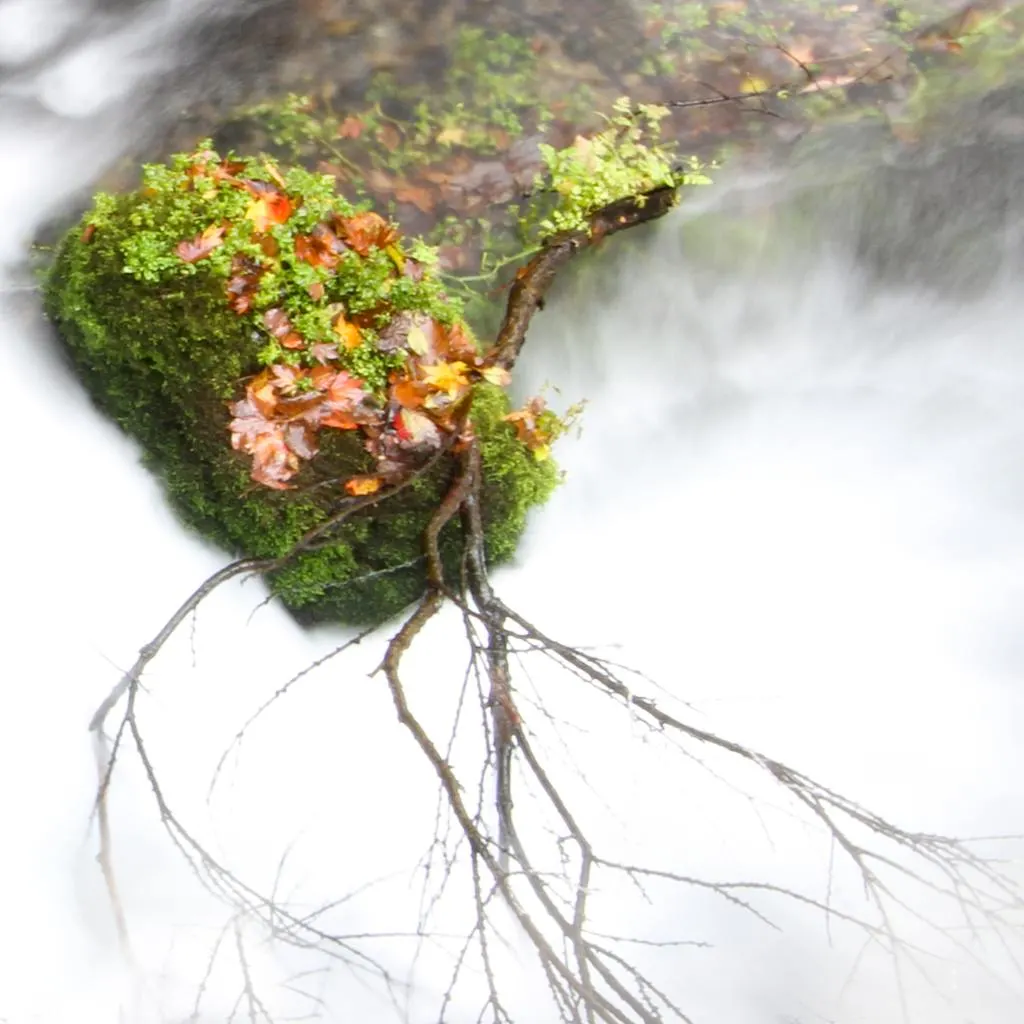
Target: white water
809 489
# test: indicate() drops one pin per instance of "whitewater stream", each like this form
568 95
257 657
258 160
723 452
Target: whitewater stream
797 502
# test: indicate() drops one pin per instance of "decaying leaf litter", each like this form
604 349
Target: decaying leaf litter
437 115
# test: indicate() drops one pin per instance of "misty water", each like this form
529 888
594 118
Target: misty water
797 503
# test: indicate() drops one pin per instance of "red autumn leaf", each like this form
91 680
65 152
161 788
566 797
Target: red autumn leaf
321 248
276 321
351 128
345 388
363 231
359 485
342 401
269 205
243 283
273 462
202 245
416 429
322 376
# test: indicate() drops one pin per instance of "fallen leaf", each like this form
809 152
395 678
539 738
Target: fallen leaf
416 341
276 321
351 128
407 393
323 352
359 485
423 199
416 429
243 283
451 137
496 375
268 210
364 231
389 137
348 333
202 245
449 378
321 248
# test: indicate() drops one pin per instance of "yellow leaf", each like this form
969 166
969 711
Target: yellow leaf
447 377
417 341
451 137
752 84
259 213
397 257
359 485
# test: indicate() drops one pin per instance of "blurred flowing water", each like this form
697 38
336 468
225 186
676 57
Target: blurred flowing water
797 502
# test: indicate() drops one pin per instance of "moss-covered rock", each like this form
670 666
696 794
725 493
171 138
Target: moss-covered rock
166 341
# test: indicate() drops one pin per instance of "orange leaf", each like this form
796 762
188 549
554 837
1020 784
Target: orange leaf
348 334
366 230
358 485
268 208
321 248
407 393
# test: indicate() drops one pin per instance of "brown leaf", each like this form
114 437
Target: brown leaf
416 429
202 245
389 137
276 321
90 230
243 283
351 128
364 231
424 199
321 248
323 352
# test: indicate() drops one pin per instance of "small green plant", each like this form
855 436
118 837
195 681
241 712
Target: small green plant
278 352
625 159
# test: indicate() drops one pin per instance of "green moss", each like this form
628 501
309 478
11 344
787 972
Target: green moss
162 353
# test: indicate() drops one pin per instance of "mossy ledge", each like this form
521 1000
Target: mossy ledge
155 341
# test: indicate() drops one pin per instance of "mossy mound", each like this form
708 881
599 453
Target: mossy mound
171 298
